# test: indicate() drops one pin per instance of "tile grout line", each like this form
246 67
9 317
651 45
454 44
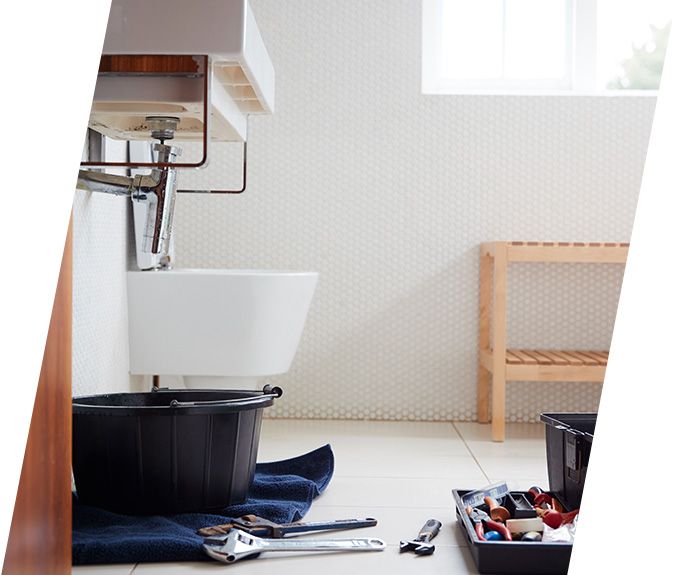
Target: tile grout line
458 431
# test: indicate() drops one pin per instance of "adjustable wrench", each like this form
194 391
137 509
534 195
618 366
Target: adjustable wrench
422 545
237 545
263 528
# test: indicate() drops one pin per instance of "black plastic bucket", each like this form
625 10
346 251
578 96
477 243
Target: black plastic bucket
167 451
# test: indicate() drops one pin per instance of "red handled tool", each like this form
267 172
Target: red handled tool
480 519
555 519
540 498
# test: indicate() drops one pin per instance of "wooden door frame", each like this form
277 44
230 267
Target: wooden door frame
40 535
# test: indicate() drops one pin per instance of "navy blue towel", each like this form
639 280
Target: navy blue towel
282 492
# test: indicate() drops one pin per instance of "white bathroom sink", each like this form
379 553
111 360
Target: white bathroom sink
216 323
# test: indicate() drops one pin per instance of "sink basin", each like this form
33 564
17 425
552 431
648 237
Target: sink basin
211 324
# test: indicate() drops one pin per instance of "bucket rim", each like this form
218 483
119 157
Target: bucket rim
92 404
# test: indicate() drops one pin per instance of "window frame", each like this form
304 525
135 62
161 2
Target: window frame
581 56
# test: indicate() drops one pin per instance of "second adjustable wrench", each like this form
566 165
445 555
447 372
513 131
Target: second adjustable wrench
422 545
238 545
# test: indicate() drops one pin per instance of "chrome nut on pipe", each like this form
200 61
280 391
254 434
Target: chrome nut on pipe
154 194
162 127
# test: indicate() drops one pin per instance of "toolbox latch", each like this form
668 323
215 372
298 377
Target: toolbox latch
575 453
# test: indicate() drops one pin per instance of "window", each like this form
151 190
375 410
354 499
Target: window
538 46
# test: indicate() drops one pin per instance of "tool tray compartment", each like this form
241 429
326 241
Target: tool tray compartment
512 557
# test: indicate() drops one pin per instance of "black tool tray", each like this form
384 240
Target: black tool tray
512 557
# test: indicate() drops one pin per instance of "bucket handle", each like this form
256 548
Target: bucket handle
267 393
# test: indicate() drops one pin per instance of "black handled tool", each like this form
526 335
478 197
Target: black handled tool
421 545
262 528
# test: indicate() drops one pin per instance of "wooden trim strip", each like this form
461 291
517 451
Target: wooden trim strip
584 373
148 64
40 536
569 244
568 254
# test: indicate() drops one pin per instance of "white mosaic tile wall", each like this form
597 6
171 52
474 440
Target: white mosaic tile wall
100 351
388 193
102 253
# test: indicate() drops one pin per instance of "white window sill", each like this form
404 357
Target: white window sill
546 93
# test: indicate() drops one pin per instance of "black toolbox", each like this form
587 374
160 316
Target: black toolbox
512 557
568 442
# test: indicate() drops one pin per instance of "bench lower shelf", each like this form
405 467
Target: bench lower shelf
550 365
530 365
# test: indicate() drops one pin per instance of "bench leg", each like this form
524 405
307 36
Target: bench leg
499 344
498 406
483 382
483 374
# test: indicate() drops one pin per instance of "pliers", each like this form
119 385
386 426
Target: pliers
479 518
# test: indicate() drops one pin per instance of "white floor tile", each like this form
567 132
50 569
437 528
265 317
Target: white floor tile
401 473
524 483
193 568
287 438
402 465
469 430
516 448
394 523
513 467
369 492
353 428
103 569
445 560
388 460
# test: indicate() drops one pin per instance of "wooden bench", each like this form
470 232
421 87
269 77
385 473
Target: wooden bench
497 363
